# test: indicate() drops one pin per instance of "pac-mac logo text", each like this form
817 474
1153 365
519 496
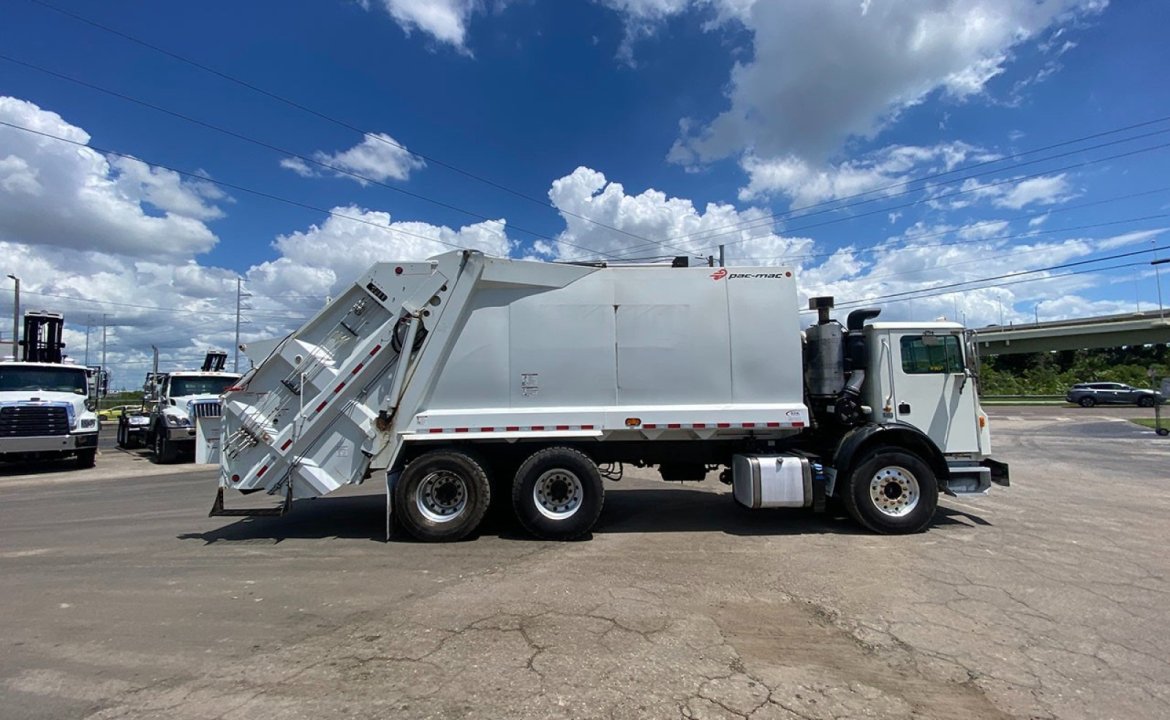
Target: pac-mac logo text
719 274
722 273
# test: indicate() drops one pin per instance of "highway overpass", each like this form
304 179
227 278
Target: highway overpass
1139 328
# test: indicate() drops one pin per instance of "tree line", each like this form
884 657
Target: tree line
1052 373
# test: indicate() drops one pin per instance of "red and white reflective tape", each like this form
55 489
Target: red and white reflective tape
511 428
719 426
647 426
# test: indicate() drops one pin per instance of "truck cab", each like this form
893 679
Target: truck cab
924 375
46 412
179 400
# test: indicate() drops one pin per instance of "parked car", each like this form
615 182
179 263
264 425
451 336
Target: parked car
116 411
1111 393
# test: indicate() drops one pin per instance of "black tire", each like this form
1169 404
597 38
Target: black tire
1087 401
442 496
1163 431
569 497
165 451
1145 402
892 492
86 458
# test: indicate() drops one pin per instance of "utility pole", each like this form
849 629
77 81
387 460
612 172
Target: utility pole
16 320
1158 279
721 263
105 376
88 320
240 295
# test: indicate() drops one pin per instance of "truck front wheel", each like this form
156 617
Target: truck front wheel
442 496
164 450
86 458
892 492
558 494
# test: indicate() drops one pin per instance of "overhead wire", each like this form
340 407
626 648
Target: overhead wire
283 151
326 117
956 193
938 289
839 204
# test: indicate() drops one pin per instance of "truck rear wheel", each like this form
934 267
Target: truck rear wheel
442 496
892 492
557 493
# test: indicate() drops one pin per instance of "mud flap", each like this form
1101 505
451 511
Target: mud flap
391 481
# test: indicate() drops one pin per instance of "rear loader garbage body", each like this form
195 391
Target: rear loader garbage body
467 375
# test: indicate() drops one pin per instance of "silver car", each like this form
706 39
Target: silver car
1111 393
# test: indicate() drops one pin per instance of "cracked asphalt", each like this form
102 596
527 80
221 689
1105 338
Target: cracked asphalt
121 599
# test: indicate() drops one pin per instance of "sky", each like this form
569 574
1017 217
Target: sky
990 161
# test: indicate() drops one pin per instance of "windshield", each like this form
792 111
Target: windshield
25 379
184 386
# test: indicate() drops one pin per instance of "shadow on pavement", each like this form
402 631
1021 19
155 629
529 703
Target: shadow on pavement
626 511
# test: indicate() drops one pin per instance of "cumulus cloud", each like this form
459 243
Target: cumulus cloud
57 193
377 157
889 168
653 224
444 20
823 71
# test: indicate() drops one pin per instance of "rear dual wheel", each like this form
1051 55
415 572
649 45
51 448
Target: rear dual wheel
557 493
442 496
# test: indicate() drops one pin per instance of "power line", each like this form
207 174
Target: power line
328 118
878 247
282 151
1057 276
840 204
232 186
935 289
188 311
1073 166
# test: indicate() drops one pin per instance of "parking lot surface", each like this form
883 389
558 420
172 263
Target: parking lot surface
122 599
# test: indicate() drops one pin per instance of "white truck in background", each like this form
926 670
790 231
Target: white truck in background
46 409
179 402
468 375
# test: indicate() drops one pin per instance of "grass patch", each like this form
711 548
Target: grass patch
1149 422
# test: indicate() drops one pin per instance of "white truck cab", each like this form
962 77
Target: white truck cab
179 400
46 412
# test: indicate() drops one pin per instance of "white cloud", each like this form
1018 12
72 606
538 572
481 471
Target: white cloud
444 20
653 224
809 184
823 71
1046 190
377 157
56 193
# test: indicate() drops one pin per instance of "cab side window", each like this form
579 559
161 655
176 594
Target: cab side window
942 355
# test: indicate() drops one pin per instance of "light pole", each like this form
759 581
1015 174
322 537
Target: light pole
1157 279
16 319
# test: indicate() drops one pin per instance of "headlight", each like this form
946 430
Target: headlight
88 422
176 421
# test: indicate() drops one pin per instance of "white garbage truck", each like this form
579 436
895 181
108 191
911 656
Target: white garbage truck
466 376
182 403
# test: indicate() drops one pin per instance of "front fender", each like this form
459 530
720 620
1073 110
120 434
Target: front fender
860 442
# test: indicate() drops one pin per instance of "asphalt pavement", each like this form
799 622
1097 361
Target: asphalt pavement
122 599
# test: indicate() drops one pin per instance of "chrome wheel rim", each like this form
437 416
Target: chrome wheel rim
894 491
558 494
441 496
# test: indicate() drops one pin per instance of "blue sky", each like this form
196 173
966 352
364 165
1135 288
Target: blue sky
672 125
